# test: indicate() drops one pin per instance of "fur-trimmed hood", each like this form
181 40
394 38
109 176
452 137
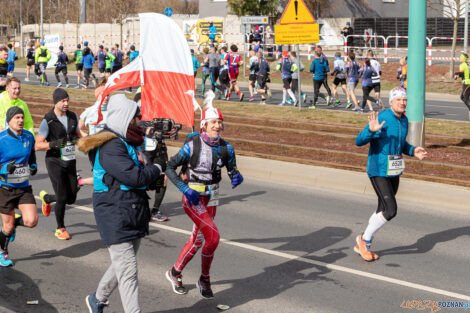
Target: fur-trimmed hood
88 143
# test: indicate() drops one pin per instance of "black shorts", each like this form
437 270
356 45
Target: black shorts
61 69
30 62
338 81
261 79
252 77
101 69
79 66
10 199
224 78
286 82
376 87
107 70
116 68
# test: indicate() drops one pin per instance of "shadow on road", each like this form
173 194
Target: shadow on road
16 289
175 208
427 243
276 279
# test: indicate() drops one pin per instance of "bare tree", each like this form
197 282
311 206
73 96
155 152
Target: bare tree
453 9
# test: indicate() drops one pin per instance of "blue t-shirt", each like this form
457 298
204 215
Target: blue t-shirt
12 56
16 150
133 55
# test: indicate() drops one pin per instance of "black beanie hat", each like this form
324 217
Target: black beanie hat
59 95
12 112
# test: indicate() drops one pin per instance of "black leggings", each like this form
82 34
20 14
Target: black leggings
365 95
316 89
88 73
214 76
65 185
465 96
386 188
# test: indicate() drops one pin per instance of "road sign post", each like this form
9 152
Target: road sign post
298 80
296 27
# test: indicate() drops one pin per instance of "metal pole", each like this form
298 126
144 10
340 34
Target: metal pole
41 31
21 29
465 30
416 71
298 72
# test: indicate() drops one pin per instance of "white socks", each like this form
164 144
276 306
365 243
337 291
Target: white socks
376 221
291 94
284 95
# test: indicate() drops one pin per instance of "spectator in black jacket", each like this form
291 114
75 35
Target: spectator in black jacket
348 30
120 201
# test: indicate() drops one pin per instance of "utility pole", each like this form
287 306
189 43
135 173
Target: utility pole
21 29
416 86
41 31
465 30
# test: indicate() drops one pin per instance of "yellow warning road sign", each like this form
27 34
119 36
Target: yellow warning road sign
295 34
296 12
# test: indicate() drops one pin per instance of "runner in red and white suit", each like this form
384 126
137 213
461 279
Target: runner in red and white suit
203 155
234 61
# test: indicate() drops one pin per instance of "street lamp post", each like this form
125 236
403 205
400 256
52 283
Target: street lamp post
416 71
41 31
465 31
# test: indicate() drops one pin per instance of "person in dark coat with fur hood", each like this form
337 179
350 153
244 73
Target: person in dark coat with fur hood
120 201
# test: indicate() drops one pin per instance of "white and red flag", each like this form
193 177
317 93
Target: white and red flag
163 70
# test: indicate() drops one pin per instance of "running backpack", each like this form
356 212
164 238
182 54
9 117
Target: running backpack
197 152
43 53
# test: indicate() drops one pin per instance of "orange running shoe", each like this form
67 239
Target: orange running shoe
362 249
46 207
62 234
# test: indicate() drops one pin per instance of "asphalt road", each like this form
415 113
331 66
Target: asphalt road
450 110
285 248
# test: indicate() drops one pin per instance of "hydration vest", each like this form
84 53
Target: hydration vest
99 172
57 130
204 171
43 53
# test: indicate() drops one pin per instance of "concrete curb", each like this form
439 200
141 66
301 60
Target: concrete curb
411 190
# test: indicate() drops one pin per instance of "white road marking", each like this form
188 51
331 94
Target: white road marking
313 262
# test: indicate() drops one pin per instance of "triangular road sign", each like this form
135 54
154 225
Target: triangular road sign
296 12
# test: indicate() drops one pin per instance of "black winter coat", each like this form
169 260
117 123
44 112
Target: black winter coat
121 216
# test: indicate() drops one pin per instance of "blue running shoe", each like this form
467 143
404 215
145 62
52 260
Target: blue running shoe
13 236
94 305
5 259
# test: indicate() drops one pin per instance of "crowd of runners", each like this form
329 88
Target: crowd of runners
126 163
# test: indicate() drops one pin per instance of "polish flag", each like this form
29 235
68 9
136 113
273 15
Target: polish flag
163 70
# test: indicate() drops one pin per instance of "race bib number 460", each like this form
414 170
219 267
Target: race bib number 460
67 153
396 165
20 175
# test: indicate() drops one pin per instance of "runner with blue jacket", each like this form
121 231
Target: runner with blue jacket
386 133
367 72
61 66
319 68
17 164
352 69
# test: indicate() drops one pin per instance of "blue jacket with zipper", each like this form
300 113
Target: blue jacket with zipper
389 140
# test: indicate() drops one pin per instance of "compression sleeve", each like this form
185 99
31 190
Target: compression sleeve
179 159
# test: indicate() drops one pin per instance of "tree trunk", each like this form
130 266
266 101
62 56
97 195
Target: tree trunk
454 41
120 27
